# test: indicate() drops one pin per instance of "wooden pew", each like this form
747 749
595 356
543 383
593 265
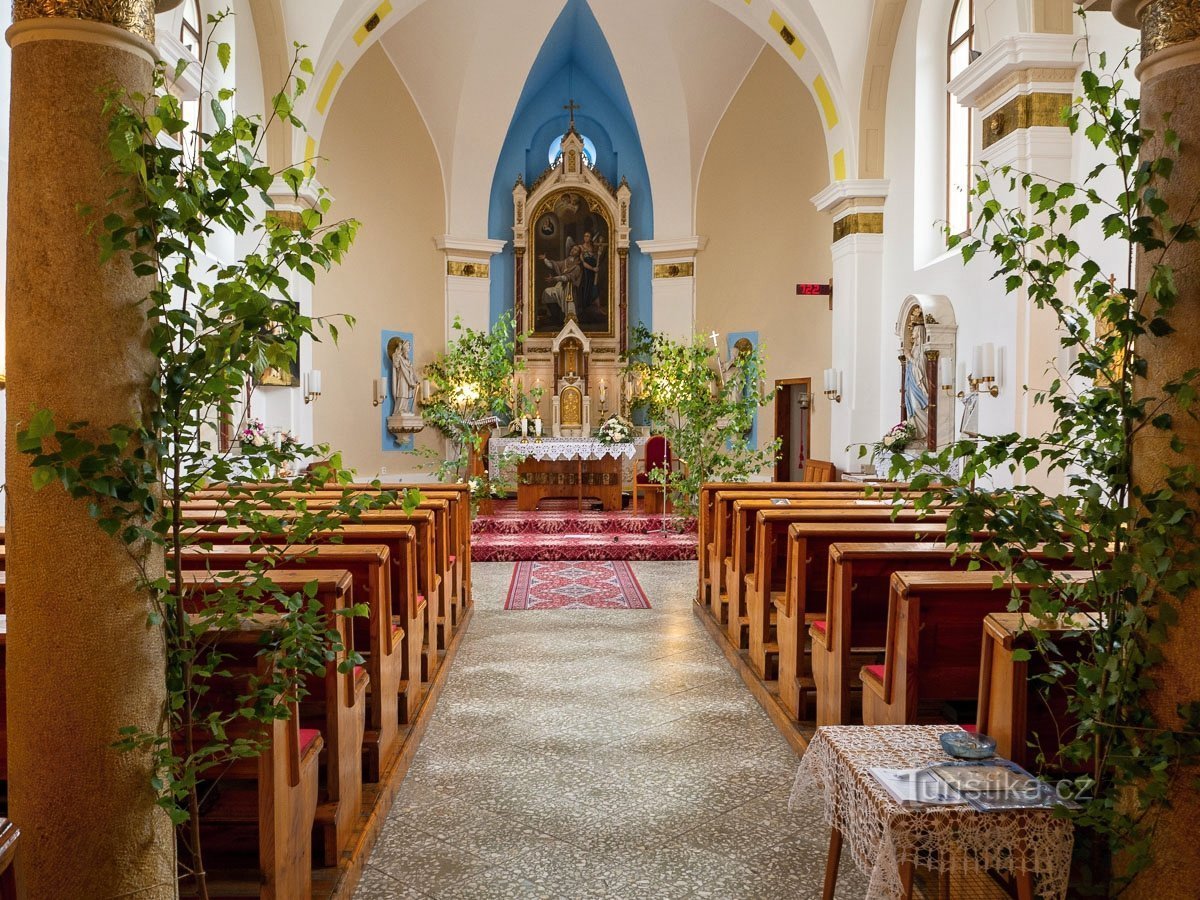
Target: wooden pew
803 600
433 542
379 636
758 562
336 704
431 549
261 813
931 649
706 523
410 570
10 837
738 624
1022 713
720 547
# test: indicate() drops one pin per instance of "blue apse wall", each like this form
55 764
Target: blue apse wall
574 62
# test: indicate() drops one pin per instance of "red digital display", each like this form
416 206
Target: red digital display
814 290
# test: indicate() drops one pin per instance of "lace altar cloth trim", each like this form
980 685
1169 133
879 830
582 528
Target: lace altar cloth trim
565 449
882 835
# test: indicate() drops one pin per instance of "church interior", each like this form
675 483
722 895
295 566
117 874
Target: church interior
600 448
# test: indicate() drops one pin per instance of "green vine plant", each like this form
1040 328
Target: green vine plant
212 328
1139 545
705 409
473 387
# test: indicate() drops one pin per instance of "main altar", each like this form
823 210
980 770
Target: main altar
571 238
569 468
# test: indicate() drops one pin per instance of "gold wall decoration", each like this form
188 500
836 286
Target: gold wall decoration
858 223
1026 111
288 218
675 270
1168 23
571 406
136 16
467 269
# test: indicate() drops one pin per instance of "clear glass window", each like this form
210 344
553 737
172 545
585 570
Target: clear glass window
960 120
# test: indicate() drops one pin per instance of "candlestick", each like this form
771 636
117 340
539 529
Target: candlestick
603 391
537 426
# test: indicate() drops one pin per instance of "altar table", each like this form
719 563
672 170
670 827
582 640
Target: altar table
570 468
886 840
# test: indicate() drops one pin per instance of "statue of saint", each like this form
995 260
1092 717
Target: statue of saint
916 388
404 379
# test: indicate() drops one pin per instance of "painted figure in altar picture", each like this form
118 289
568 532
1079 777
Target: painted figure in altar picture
571 275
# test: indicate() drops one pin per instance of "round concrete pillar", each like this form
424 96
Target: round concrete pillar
82 660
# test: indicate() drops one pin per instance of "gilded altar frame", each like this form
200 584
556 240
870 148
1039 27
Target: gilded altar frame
549 219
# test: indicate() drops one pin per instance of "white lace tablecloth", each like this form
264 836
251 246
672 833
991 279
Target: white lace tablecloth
505 453
881 835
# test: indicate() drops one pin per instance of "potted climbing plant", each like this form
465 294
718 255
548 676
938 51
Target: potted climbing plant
1127 515
212 328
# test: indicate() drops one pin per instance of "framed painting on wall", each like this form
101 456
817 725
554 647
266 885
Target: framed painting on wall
572 271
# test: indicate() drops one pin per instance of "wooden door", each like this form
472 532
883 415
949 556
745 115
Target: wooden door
793 425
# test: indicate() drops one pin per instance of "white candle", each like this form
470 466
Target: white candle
278 439
839 382
989 360
314 381
603 391
629 390
537 426
379 393
524 426
962 378
977 361
946 371
426 389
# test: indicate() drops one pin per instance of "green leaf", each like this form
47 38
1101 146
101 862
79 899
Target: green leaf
224 55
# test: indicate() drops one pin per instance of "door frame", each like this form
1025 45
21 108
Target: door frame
783 422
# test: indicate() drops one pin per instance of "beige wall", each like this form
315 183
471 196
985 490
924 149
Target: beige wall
380 165
765 161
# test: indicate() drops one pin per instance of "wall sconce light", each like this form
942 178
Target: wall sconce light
946 375
379 392
833 385
313 389
982 378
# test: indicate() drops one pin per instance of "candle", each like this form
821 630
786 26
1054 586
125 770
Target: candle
603 391
839 382
946 371
962 378
537 426
989 361
524 426
426 389
629 390
977 361
278 439
314 381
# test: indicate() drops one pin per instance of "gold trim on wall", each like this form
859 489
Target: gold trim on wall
467 269
1169 23
136 16
288 218
858 223
1039 109
675 270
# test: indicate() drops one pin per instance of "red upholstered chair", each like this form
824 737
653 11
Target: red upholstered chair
658 456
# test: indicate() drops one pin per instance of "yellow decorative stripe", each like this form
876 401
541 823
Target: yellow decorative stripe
858 223
466 269
822 89
675 270
789 36
1025 111
381 12
310 156
335 75
136 16
839 166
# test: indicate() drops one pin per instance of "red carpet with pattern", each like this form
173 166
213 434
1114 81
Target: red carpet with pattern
575 585
563 533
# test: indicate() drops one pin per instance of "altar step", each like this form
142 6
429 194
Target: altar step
562 535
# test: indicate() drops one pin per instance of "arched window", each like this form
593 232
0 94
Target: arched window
960 120
190 26
589 151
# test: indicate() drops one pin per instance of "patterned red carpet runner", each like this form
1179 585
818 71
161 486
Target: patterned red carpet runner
575 585
562 533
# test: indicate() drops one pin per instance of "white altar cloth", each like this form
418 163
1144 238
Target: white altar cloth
563 449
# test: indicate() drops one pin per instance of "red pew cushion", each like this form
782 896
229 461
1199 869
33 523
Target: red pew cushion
307 736
875 672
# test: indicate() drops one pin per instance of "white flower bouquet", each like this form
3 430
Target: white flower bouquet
615 430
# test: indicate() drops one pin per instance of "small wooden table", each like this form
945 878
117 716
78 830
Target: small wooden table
887 840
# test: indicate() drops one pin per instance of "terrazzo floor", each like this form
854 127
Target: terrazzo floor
612 753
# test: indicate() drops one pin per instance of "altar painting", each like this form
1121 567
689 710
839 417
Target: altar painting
572 265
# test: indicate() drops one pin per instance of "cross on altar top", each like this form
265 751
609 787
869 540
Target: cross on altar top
571 107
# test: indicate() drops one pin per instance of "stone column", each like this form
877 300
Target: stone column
82 660
1170 76
673 290
856 208
468 281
